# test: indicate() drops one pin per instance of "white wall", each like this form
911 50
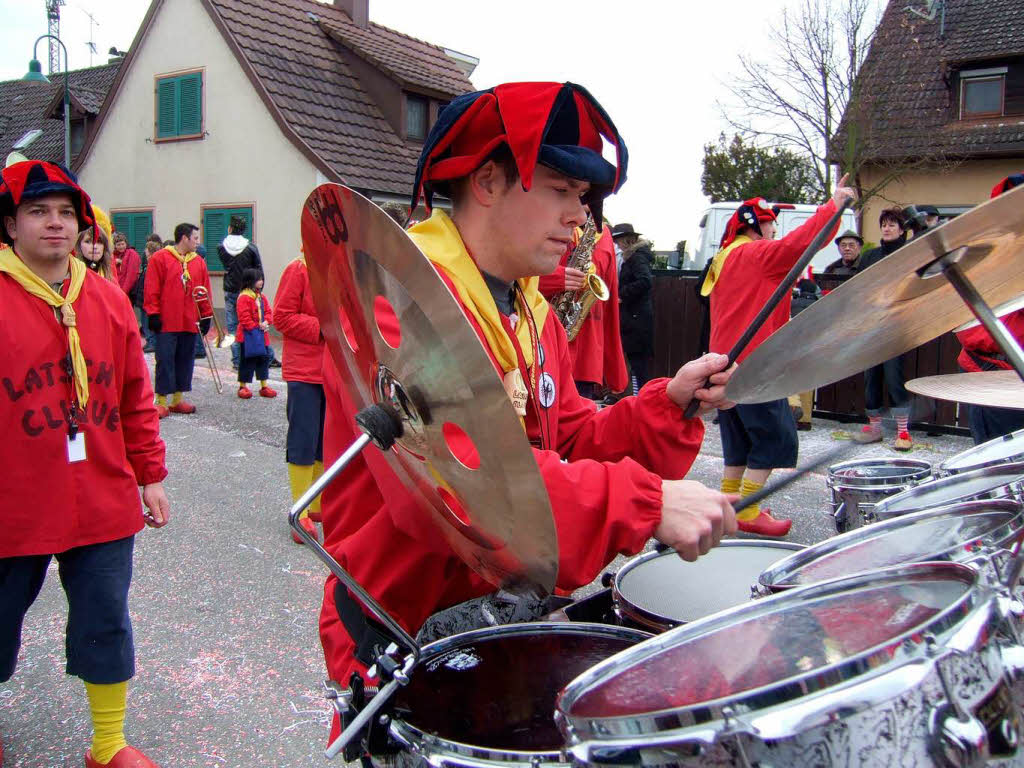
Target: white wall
245 159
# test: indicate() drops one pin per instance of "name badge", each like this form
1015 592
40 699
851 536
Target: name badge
515 388
76 448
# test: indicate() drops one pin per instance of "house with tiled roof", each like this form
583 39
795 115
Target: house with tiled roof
243 107
30 106
939 111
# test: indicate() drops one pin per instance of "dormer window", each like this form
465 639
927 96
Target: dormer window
982 92
417 114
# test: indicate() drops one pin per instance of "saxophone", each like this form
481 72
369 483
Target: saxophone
572 307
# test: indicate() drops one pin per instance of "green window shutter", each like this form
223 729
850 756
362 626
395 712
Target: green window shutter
215 229
142 225
122 223
167 107
190 104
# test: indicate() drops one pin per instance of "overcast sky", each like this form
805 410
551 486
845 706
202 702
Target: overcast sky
655 65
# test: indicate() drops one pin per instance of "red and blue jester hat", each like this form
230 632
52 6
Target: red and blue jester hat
32 179
559 125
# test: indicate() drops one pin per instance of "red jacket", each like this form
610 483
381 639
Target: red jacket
597 349
295 317
750 275
128 270
980 342
165 294
606 497
48 505
249 318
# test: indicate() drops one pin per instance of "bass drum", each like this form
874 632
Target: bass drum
995 482
659 590
487 697
893 668
1007 449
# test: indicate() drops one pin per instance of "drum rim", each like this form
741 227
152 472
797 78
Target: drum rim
654 621
409 734
869 483
1016 469
945 467
767 580
897 652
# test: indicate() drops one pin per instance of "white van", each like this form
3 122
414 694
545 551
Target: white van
713 222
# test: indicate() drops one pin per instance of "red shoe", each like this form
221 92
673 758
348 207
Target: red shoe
161 411
244 392
182 407
765 525
126 757
309 526
268 392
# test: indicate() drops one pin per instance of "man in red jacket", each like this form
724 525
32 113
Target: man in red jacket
80 435
301 365
757 438
520 161
172 276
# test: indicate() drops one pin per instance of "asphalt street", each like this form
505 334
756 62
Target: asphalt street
225 605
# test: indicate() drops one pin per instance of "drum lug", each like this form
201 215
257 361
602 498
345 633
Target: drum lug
957 738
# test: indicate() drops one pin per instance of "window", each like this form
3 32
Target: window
214 228
179 106
981 92
77 136
416 112
135 226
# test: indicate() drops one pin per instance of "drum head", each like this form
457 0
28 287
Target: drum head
878 472
496 688
946 533
979 483
670 590
998 451
761 654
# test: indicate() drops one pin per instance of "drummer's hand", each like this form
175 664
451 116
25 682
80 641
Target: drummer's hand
573 279
688 383
158 509
693 517
843 192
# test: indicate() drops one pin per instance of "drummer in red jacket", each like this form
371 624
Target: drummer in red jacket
301 366
80 436
520 161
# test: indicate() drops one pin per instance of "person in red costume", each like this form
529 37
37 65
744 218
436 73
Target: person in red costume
596 352
128 264
254 315
519 162
981 353
746 271
171 277
80 437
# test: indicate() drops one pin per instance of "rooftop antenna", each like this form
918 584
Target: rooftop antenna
90 43
53 20
932 8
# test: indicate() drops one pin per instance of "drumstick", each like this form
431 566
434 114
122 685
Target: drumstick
757 496
780 292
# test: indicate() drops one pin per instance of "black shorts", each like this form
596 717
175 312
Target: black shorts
761 436
306 404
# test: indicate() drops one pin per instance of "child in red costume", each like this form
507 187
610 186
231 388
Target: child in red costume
253 315
520 161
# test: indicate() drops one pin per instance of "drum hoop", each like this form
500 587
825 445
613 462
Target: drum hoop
1017 436
924 469
711 717
996 537
625 608
1013 469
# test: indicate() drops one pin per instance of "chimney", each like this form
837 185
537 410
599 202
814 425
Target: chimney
357 10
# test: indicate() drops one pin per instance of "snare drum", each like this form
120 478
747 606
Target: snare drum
995 482
896 667
487 697
1002 450
856 486
659 590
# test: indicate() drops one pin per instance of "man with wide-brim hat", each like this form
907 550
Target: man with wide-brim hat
849 244
80 437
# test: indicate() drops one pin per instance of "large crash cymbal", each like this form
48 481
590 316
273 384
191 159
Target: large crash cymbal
1001 389
396 334
888 309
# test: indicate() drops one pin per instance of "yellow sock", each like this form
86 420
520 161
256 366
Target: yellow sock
176 398
107 704
753 510
318 469
161 400
300 477
264 382
730 485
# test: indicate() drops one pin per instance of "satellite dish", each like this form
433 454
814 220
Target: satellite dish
14 157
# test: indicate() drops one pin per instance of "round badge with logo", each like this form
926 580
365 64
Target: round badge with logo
546 390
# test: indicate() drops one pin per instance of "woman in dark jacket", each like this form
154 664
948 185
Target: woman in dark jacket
636 316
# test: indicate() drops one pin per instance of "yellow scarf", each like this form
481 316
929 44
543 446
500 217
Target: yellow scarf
36 286
439 238
718 262
183 260
256 297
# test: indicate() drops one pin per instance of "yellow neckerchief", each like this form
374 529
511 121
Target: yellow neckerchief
183 260
36 286
257 297
718 262
439 238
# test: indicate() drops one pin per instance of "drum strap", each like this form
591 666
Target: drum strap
369 635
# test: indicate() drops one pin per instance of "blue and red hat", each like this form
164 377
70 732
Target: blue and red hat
749 216
1011 181
559 125
32 179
